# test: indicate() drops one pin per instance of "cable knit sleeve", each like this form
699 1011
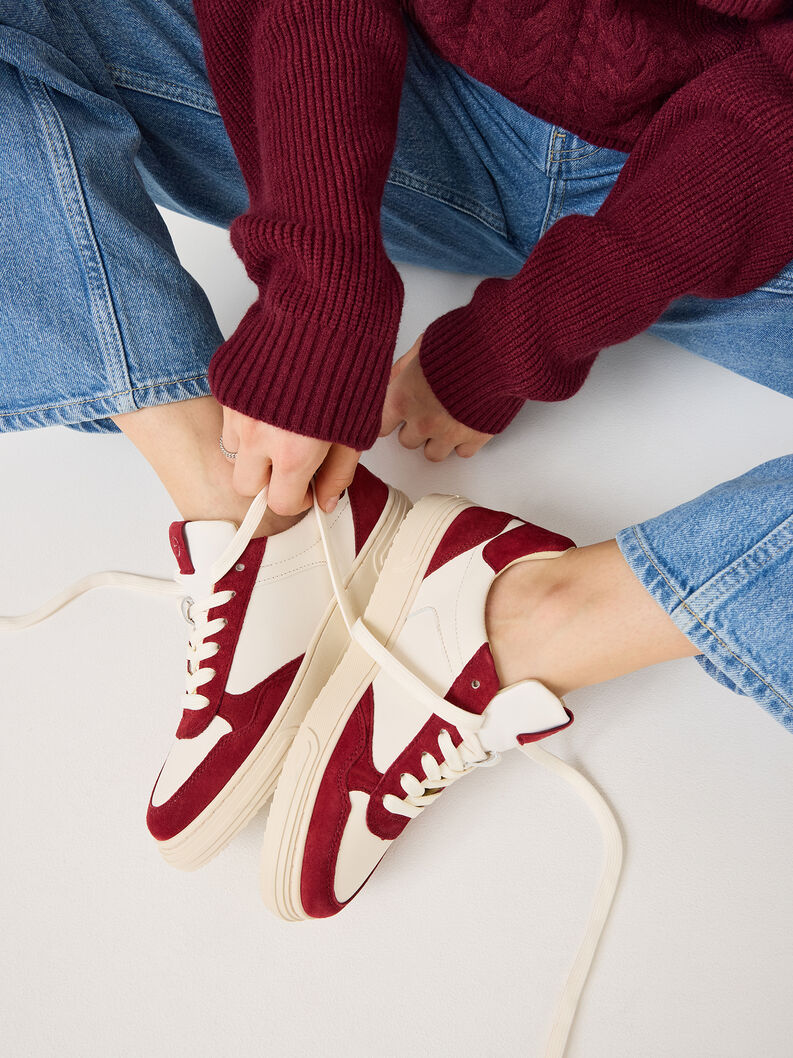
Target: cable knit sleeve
309 91
704 205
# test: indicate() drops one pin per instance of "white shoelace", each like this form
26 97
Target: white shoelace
455 761
458 761
195 611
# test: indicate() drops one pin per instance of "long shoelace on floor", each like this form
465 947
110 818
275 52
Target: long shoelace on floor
612 839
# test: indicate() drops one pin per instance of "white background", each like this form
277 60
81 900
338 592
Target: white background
460 942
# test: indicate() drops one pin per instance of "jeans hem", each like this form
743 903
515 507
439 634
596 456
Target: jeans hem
145 396
720 662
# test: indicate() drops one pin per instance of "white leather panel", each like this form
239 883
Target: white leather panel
290 596
397 718
359 851
185 756
205 542
457 592
279 624
444 630
300 546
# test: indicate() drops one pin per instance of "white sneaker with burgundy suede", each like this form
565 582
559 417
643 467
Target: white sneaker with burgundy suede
414 705
266 636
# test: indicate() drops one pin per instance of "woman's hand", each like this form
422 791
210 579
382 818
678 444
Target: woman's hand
287 461
425 422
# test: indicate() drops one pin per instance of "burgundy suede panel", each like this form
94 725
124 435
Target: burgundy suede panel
259 703
526 539
194 721
350 768
537 735
368 495
223 761
241 582
480 669
179 547
468 530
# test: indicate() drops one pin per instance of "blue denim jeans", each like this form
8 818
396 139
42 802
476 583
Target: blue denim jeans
107 110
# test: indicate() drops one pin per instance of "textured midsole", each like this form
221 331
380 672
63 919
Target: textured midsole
385 615
253 783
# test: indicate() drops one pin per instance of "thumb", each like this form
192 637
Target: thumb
400 365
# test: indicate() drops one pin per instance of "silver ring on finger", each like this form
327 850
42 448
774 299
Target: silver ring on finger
225 451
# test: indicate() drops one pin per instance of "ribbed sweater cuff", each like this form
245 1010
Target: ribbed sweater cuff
473 357
300 373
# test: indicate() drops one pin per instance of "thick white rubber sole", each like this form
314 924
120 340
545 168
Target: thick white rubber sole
253 784
385 615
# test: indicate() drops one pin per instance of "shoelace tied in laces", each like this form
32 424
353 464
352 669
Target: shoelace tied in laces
200 645
451 763
439 773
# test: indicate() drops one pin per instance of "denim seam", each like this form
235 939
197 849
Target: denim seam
684 604
783 288
724 583
556 197
558 185
137 81
76 209
448 197
570 153
575 154
131 390
555 135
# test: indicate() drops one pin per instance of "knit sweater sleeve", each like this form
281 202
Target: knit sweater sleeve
703 205
309 92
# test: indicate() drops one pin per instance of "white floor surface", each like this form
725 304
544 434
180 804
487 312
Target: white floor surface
460 942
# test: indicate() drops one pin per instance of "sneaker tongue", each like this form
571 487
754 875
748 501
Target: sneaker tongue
196 545
521 709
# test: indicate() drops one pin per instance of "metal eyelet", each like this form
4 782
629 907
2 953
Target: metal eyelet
240 567
491 757
476 684
187 602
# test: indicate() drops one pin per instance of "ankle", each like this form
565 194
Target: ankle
180 442
578 619
528 612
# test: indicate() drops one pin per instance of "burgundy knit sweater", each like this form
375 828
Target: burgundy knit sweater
700 92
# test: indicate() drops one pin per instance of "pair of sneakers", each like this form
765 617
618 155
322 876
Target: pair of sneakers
343 664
